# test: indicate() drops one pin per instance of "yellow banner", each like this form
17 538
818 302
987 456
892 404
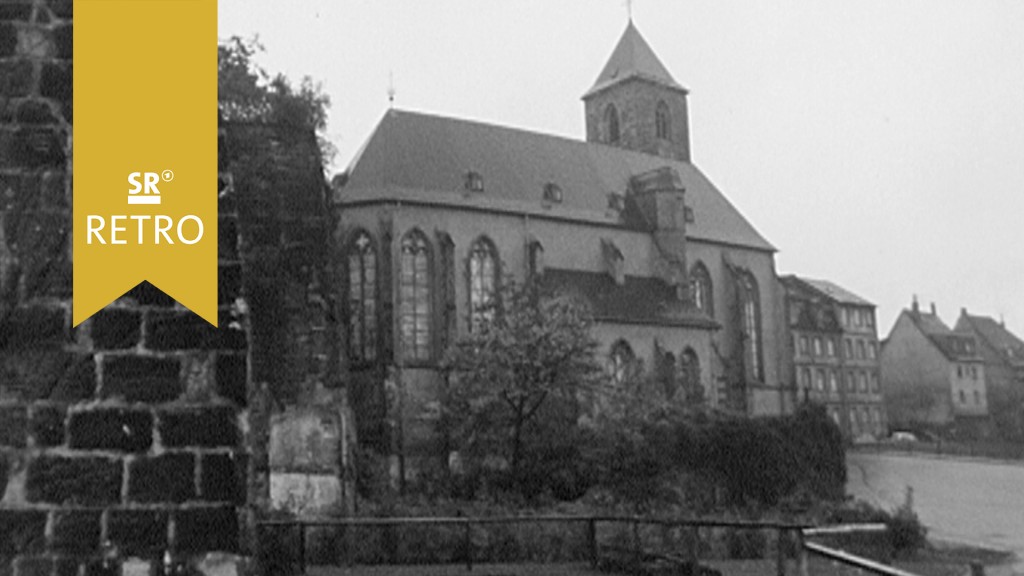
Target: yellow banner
145 145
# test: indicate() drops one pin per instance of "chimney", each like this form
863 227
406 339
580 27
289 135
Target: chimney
933 309
914 307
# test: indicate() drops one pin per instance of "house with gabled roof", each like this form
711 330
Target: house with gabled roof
933 374
434 213
1003 353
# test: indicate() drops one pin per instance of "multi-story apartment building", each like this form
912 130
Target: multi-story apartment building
834 346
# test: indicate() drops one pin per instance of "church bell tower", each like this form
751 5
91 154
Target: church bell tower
636 104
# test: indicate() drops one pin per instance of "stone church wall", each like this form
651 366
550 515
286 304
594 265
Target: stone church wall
141 434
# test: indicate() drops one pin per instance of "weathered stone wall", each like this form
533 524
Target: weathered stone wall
142 433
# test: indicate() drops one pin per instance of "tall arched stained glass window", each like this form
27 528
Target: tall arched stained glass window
415 297
700 289
483 282
362 299
750 323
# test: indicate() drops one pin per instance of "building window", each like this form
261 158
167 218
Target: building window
974 372
862 381
851 384
959 371
362 299
700 289
817 346
750 306
869 318
874 383
483 283
611 122
534 259
414 296
854 424
819 379
620 362
849 348
963 397
872 351
861 353
803 345
805 378
552 193
977 397
689 367
830 347
662 121
474 182
833 381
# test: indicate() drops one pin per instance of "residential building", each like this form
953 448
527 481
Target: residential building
834 354
434 212
933 375
1003 354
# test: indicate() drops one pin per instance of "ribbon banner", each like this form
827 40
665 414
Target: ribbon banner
145 143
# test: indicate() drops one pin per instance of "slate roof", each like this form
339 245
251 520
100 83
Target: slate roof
421 157
637 300
836 292
995 335
632 58
953 345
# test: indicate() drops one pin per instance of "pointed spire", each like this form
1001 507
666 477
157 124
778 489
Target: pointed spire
633 57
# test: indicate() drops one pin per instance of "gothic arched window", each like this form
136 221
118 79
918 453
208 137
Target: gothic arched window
689 367
700 289
362 298
750 324
483 282
621 362
415 296
611 122
662 121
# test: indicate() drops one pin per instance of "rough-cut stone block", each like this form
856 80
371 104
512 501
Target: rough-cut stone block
63 39
13 426
115 328
16 77
207 427
232 378
98 567
33 326
8 40
229 283
33 566
223 478
39 146
76 531
141 379
67 480
47 374
15 12
56 82
111 429
139 532
305 494
22 531
187 331
305 440
207 529
165 478
67 566
46 425
35 112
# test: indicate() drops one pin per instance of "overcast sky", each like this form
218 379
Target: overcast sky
878 143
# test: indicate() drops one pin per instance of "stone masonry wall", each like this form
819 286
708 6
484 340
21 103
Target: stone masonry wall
141 434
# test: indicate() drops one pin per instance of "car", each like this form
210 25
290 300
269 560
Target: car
902 436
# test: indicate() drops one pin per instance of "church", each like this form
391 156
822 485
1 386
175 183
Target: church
434 212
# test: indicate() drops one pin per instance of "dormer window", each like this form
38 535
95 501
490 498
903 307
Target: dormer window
616 202
474 182
552 193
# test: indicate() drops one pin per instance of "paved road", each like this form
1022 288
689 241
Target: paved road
972 501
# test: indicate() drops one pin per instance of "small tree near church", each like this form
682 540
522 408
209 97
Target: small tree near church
515 386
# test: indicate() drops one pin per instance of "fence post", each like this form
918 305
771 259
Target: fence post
801 554
592 540
694 552
780 553
302 547
469 546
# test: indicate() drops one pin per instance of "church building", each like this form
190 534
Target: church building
434 212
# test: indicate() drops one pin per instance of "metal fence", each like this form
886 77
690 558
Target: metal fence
793 543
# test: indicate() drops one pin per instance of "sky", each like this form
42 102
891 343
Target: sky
878 144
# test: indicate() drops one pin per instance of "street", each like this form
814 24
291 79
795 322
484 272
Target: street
970 501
